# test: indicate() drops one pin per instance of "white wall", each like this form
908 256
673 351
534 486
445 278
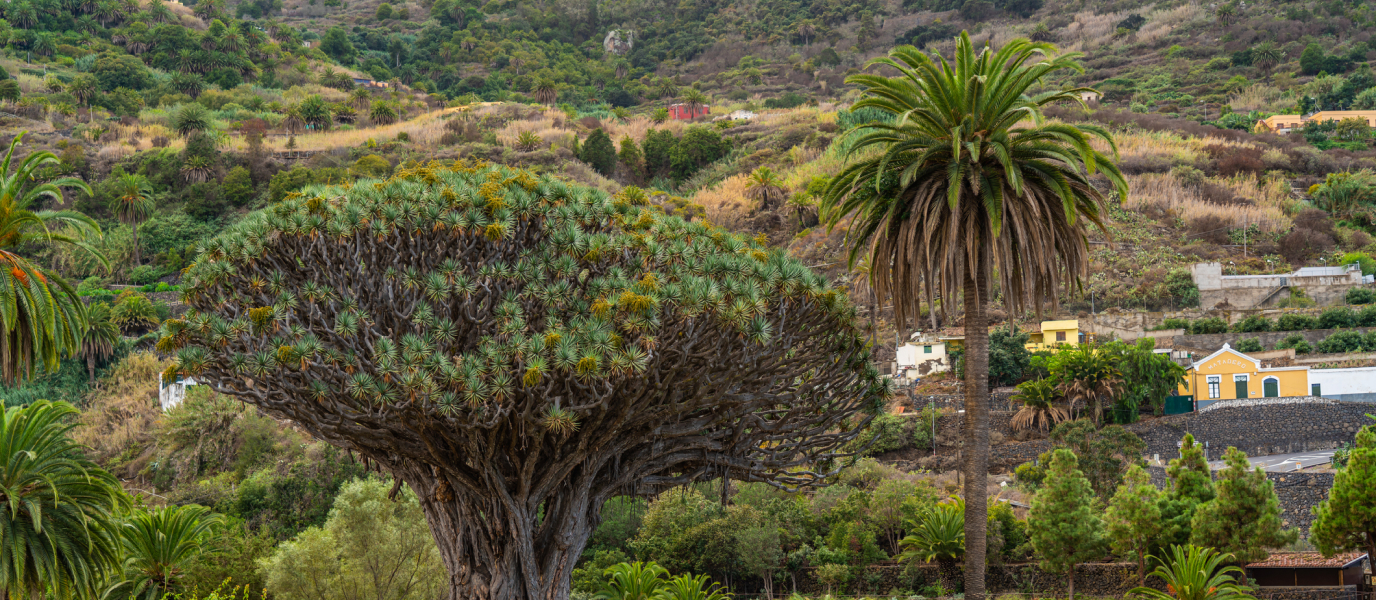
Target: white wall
912 356
170 395
1357 384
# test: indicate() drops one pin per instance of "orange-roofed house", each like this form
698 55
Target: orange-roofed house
1288 123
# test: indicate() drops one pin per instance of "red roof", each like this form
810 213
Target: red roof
1309 560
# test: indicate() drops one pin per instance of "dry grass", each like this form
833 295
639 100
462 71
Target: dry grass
1179 150
1262 97
120 415
1163 190
425 129
725 203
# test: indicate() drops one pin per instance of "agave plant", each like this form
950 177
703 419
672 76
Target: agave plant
1039 409
528 141
1194 573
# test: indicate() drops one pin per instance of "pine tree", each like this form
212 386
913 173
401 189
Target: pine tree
630 157
1133 519
1064 522
1191 485
1347 519
1244 519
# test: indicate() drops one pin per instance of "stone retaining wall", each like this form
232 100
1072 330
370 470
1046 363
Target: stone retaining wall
1257 430
1268 339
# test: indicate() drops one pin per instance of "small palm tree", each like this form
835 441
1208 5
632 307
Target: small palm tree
666 88
632 581
360 98
83 88
382 113
101 336
939 535
1039 409
158 544
57 507
1088 375
689 587
191 118
41 314
134 311
1225 13
546 93
695 99
659 115
1194 573
765 187
133 204
528 141
1266 56
801 203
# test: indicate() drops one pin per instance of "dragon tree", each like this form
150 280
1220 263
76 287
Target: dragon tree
519 350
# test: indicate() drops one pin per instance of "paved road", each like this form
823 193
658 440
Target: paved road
1283 463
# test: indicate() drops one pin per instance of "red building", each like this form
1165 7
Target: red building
684 112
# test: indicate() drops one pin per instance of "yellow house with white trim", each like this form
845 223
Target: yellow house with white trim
1230 375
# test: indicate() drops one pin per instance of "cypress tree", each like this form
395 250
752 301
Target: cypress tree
1133 519
630 157
599 152
1244 518
1191 485
1064 521
1347 519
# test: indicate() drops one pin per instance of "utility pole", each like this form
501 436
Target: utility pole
1245 225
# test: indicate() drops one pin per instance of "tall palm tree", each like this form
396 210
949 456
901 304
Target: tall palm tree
83 88
100 338
666 88
158 544
1088 375
57 507
545 92
41 314
968 185
1267 55
132 204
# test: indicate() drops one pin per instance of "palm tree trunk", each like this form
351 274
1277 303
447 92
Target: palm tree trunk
1072 582
135 226
91 366
976 432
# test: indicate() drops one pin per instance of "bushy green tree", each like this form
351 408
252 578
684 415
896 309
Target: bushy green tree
238 186
1191 485
1248 345
1102 455
1337 317
1346 520
335 44
1296 322
1065 521
1243 519
599 152
656 147
700 146
371 547
1312 59
631 158
1253 324
1133 519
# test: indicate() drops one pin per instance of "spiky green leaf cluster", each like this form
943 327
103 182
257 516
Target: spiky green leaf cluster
468 288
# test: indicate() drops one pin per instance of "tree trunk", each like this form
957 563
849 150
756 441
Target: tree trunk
1141 566
1072 582
489 542
91 366
976 433
135 226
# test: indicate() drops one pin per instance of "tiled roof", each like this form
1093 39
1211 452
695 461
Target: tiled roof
1308 560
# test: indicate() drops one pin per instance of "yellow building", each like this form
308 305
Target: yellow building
1287 123
1050 335
1054 333
1229 375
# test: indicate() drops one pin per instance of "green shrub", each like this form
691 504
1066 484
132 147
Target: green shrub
1297 342
885 434
1209 325
1340 342
1253 324
1295 322
1367 317
1361 296
1249 345
1176 324
144 274
1337 317
1030 474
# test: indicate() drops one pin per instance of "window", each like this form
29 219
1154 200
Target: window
926 349
1214 383
1060 336
1315 390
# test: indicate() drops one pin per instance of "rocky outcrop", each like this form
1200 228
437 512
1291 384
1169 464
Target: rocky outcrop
619 41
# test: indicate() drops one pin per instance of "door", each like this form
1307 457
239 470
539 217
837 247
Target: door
1241 386
1271 388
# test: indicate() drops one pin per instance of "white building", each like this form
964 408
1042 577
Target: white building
172 394
922 356
1351 385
